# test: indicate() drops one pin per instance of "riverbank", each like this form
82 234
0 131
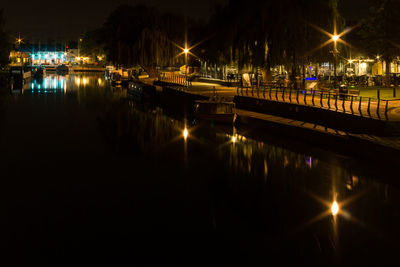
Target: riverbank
382 149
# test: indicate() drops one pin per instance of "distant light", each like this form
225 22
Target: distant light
335 38
233 139
185 133
335 208
186 50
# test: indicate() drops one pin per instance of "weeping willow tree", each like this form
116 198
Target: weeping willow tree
138 35
153 49
260 34
380 33
5 45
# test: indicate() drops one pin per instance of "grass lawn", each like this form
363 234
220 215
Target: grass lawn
372 91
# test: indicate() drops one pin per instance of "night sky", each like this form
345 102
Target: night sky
65 20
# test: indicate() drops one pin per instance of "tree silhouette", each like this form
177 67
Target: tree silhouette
380 32
5 44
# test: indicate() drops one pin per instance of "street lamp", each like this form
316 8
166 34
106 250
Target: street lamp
335 38
186 51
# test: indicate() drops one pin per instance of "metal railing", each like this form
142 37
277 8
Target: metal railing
175 79
340 102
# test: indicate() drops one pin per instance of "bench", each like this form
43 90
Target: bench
354 92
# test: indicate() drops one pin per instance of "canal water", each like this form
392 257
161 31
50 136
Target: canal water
91 178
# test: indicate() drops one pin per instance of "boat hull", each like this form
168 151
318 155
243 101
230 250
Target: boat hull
217 118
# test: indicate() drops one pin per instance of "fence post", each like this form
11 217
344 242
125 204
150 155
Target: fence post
351 105
290 95
329 99
264 92
305 97
313 96
276 93
283 94
386 107
336 102
377 108
369 106
322 104
297 96
343 104
359 106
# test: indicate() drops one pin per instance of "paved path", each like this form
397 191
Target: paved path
373 108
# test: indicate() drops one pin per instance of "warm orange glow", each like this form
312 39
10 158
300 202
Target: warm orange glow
335 38
335 208
185 133
233 139
186 50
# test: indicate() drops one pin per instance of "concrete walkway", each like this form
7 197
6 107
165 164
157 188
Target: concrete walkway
373 108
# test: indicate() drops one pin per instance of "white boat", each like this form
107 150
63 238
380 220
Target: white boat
215 110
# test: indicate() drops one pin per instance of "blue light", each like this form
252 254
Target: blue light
311 79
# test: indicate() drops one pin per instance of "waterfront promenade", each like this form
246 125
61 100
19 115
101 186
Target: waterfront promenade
380 109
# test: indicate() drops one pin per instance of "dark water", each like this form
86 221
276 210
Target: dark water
90 178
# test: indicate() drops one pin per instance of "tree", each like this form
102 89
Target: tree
91 45
137 35
380 32
259 34
5 45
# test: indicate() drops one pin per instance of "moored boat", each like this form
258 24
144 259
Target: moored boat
215 110
141 91
39 73
62 69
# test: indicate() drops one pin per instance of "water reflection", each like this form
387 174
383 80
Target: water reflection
290 198
50 84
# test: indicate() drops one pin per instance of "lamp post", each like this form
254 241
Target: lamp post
186 51
335 38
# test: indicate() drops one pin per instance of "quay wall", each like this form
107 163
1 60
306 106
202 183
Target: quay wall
179 101
350 145
328 118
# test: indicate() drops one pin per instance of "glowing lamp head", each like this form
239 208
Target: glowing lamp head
233 139
335 208
186 50
335 38
185 133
